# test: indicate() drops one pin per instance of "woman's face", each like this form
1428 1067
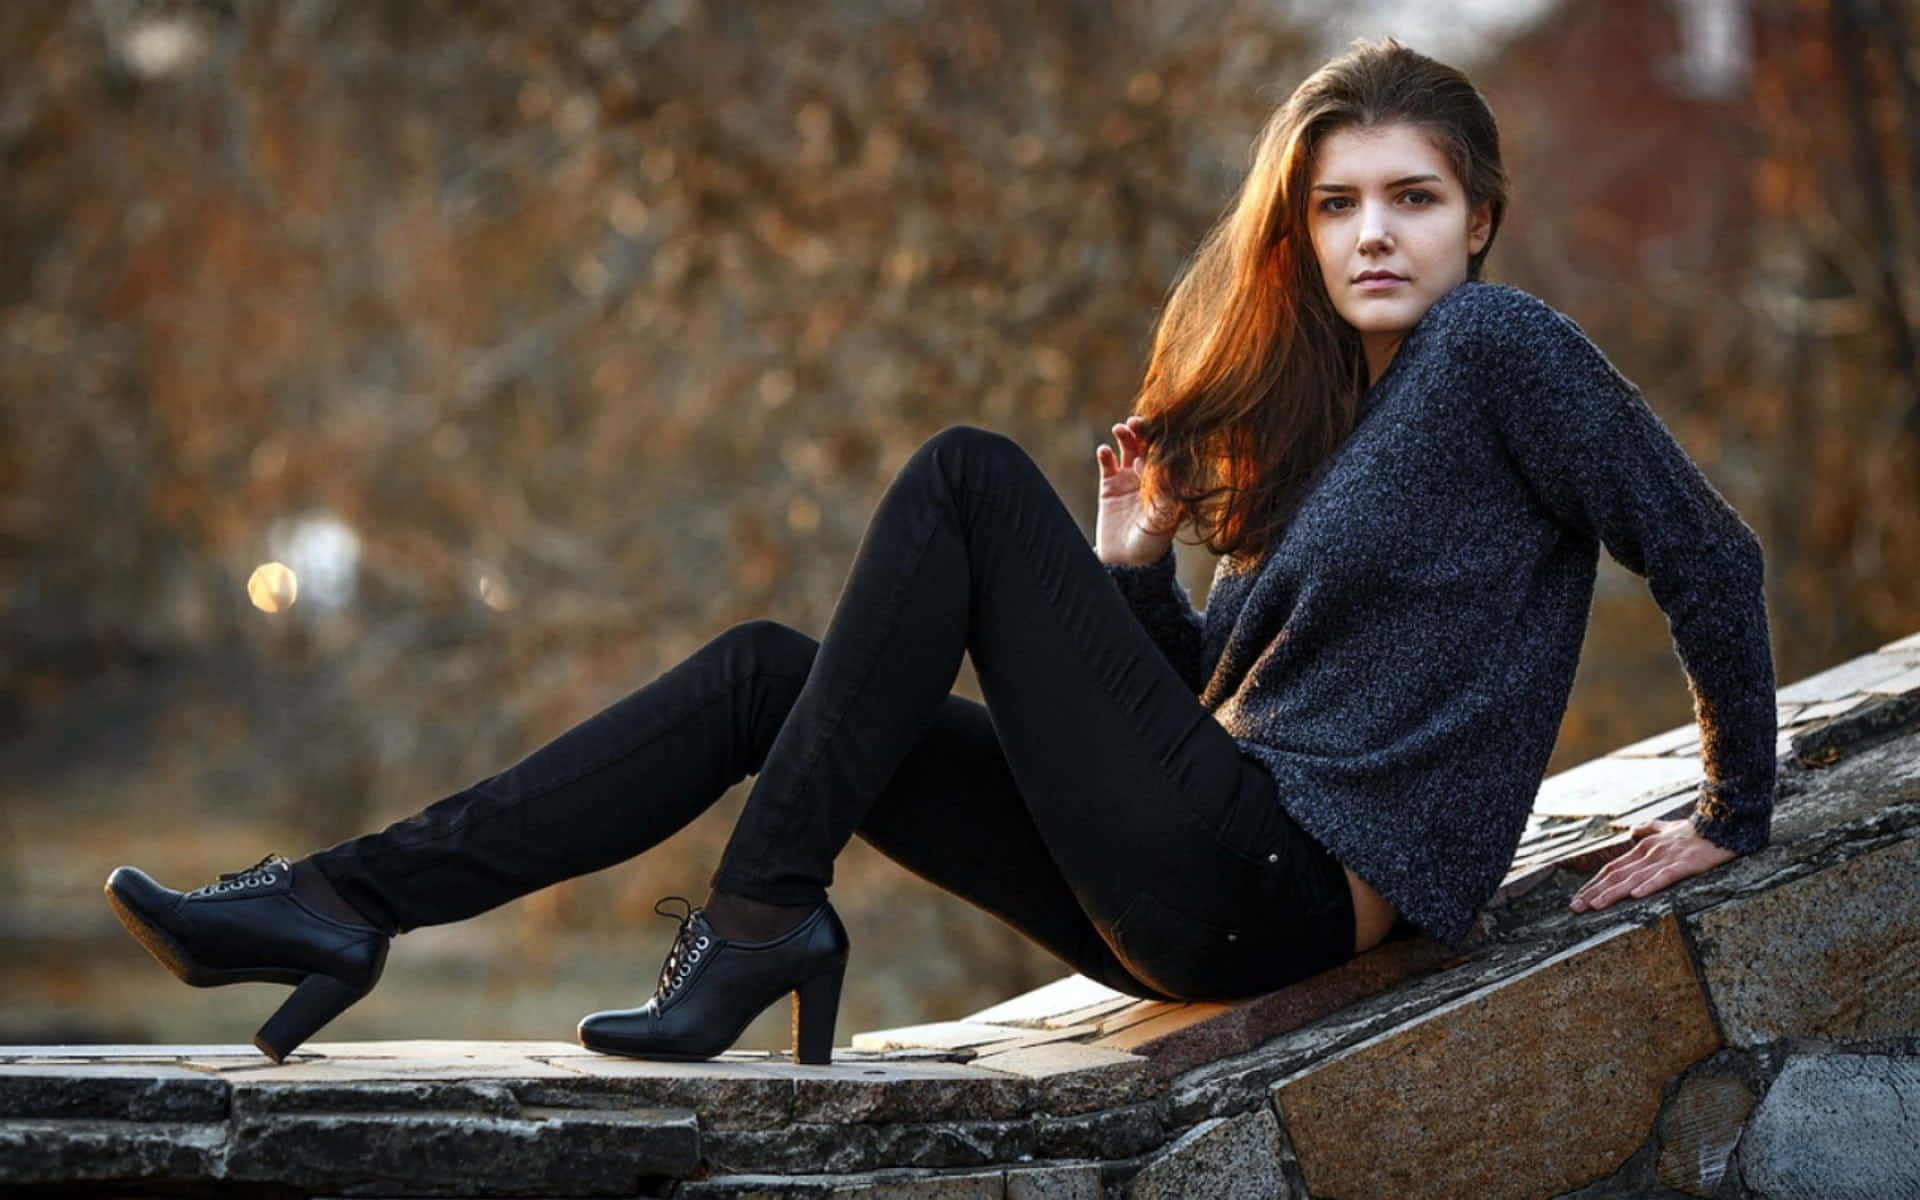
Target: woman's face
1392 229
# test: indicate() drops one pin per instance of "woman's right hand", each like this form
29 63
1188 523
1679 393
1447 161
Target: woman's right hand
1124 532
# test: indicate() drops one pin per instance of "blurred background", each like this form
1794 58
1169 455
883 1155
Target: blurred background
545 341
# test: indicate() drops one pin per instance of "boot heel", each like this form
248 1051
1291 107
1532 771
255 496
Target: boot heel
815 1005
318 999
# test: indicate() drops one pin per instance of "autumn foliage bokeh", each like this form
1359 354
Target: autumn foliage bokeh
600 327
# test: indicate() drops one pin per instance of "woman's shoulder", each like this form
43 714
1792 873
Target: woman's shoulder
1499 324
1476 306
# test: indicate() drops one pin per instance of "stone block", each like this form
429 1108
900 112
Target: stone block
731 1094
1186 1035
1073 1181
1228 1158
111 1091
69 1152
984 1185
1066 1077
1108 1134
1835 954
257 1099
575 1152
911 1092
1534 1085
1823 743
1698 1131
758 1187
850 1149
1836 1125
1860 787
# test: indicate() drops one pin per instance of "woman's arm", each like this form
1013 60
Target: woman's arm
1162 606
1136 547
1602 463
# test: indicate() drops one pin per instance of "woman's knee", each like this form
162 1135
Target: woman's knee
767 647
960 453
962 443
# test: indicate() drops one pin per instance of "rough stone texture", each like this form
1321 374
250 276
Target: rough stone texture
1243 1082
1835 954
1865 783
543 1152
1537 1084
1073 1182
1110 1134
1699 1130
1071 1078
1183 1036
988 1185
118 1092
1228 1158
1836 1125
88 1151
848 1149
908 1185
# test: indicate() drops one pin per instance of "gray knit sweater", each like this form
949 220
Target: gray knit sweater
1401 657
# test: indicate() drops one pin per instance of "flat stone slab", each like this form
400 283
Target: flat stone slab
1532 1086
1609 785
1073 1000
1855 675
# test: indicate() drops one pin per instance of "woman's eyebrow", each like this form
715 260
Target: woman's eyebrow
1402 182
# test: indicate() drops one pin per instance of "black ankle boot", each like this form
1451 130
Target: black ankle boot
710 989
251 928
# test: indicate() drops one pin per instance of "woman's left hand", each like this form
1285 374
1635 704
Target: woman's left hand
1663 852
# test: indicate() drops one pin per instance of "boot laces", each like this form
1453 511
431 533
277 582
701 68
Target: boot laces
258 875
688 948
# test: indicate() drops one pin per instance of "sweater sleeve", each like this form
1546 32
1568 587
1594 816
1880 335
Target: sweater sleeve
1163 607
1603 464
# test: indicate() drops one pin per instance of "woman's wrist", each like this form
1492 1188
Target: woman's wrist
1140 562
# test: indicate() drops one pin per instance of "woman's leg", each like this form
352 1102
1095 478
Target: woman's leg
614 785
1171 843
627 778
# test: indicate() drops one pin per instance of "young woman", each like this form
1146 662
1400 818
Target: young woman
1407 473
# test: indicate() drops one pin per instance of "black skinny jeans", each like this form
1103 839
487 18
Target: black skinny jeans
1091 803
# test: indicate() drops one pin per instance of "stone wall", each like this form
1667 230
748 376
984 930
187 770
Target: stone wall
1753 1032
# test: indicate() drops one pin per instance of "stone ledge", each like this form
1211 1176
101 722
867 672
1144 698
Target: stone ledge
1635 1046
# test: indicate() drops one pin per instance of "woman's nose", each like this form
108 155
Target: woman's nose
1374 234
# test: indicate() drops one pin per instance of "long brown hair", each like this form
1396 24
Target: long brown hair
1254 378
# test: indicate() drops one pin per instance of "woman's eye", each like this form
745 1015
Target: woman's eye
1333 203
1419 197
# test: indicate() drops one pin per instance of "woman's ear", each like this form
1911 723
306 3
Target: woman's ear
1479 227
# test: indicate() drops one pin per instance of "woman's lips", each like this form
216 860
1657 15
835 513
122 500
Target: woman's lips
1378 284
